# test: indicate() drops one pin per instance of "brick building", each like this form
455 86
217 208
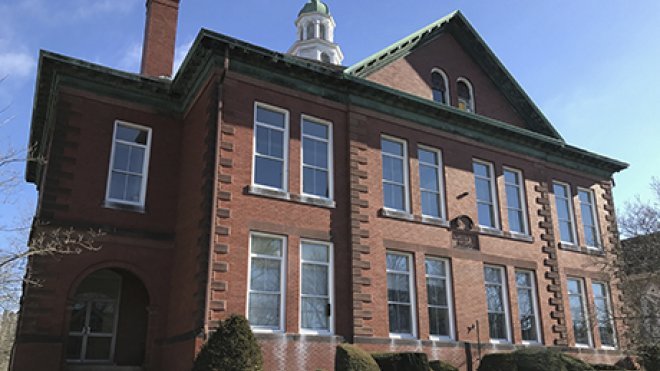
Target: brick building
394 204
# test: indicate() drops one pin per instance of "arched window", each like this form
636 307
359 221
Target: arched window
325 58
310 31
322 31
465 95
439 86
300 33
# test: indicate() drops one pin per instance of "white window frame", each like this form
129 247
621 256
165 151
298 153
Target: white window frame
535 307
330 169
493 193
505 303
413 297
145 165
441 184
592 198
285 146
444 76
450 298
406 175
585 311
608 302
521 196
470 107
331 287
283 270
571 211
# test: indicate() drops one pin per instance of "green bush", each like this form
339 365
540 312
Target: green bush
532 360
602 366
649 357
441 366
404 361
232 347
352 358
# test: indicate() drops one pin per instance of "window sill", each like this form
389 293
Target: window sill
123 207
581 249
291 197
505 234
403 215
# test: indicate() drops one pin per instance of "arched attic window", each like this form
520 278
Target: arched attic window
310 31
439 86
465 95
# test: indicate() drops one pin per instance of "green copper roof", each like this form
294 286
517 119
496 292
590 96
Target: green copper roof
315 6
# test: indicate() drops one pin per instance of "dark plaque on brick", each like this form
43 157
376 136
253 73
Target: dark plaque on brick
463 235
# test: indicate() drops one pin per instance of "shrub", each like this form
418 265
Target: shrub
602 366
441 366
649 357
498 362
352 358
232 347
574 364
405 361
532 360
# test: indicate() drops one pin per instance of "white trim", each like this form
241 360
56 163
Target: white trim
285 145
441 184
446 80
571 211
585 311
505 302
493 193
608 303
283 270
331 287
330 169
411 287
535 307
406 174
594 215
522 196
145 164
471 106
450 298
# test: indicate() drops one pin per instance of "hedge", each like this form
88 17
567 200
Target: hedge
602 366
232 347
532 360
404 361
441 366
352 358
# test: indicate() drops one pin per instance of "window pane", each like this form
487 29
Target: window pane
266 246
314 279
98 348
102 317
117 185
587 215
268 172
436 291
439 321
523 280
315 153
130 134
431 204
481 169
314 313
435 267
584 197
315 129
270 117
565 231
397 262
120 161
513 197
485 213
269 141
562 210
511 177
264 310
393 195
398 287
391 147
494 298
483 190
78 313
393 169
400 319
516 221
428 178
560 190
133 188
590 236
136 160
265 275
492 275
497 326
315 182
314 252
428 157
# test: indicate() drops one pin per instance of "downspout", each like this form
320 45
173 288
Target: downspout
214 201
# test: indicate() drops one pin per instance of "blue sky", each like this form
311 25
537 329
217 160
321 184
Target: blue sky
592 66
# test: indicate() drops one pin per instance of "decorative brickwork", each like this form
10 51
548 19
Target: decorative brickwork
552 264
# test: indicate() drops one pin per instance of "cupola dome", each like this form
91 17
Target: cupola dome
315 6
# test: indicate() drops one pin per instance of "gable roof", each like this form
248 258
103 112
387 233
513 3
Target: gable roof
456 25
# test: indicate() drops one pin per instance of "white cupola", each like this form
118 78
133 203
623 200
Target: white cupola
316 34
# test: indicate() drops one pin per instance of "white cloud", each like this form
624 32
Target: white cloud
180 54
16 64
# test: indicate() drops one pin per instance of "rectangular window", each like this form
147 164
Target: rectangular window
266 284
515 201
316 158
527 307
271 138
498 309
395 173
129 164
400 295
430 182
316 283
564 203
486 199
577 303
589 224
438 291
604 314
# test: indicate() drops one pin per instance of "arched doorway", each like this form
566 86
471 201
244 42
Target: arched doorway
108 321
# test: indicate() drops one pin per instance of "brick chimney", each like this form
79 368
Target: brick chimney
159 38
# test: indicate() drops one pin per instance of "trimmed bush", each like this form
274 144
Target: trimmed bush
649 357
532 360
404 361
574 364
602 366
498 362
441 366
232 347
352 358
